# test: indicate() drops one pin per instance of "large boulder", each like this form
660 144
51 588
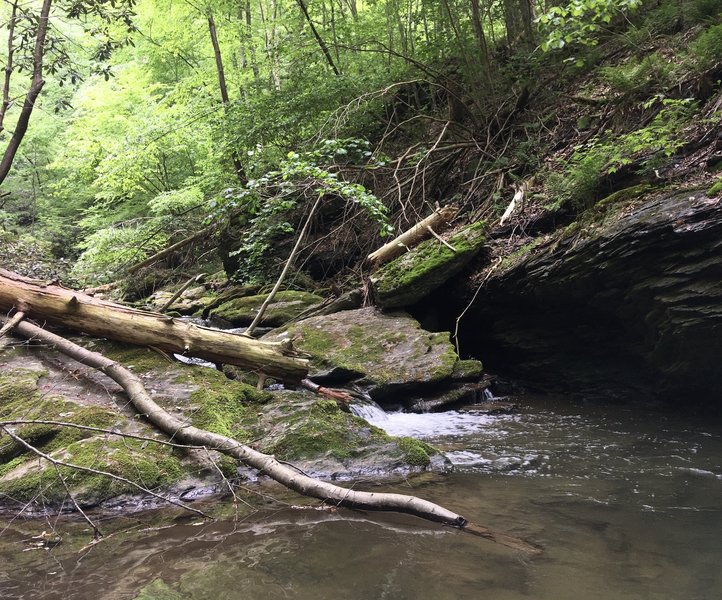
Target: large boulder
414 275
625 303
388 352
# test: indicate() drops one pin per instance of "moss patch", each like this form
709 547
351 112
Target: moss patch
467 369
317 428
285 306
136 358
416 453
715 189
151 466
20 398
409 278
387 349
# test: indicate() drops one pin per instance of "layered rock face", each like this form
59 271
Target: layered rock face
630 305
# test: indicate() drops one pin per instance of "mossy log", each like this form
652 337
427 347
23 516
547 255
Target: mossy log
419 232
180 431
68 308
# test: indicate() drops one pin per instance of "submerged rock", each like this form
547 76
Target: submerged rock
389 353
414 275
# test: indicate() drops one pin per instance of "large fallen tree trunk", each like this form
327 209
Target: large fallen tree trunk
287 475
68 308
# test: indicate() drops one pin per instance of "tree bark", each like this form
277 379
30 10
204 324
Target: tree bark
237 165
36 87
287 475
319 39
396 247
75 310
8 64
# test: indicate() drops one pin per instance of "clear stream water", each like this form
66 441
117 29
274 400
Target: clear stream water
626 503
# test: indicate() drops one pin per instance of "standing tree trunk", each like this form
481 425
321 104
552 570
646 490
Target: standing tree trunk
237 165
8 65
319 39
36 86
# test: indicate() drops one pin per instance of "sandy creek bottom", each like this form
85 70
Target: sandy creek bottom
626 502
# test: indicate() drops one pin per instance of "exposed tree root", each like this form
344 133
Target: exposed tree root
287 475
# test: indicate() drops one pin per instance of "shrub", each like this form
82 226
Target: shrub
707 48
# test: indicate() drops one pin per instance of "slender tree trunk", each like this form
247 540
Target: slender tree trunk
8 65
251 45
319 39
36 87
481 38
237 165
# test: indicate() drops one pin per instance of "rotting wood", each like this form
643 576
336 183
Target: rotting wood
343 398
75 310
409 238
287 475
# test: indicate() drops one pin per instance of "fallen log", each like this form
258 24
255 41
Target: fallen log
287 475
419 232
68 308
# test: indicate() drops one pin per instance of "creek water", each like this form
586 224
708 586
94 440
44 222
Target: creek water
626 503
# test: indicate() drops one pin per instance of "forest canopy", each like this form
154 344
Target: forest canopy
149 121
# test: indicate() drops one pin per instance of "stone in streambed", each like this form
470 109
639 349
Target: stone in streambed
390 353
34 384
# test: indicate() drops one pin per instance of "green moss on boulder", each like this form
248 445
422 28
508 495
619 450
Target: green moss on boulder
465 370
416 452
285 306
389 352
411 277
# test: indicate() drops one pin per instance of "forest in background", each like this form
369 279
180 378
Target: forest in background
159 119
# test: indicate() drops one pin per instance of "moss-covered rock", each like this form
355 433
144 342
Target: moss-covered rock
466 370
391 353
285 306
325 441
411 277
34 385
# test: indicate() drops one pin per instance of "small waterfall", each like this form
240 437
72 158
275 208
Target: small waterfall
488 395
369 410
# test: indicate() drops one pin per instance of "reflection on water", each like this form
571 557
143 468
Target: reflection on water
627 504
